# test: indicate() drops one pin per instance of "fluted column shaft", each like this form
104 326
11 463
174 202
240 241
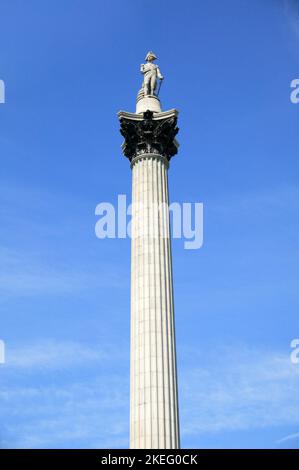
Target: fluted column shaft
154 421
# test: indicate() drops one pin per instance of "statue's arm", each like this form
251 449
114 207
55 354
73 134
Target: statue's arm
159 74
142 68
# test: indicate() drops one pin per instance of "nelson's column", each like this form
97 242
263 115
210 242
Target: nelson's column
149 145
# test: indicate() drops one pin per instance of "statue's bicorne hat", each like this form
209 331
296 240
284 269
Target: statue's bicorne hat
150 53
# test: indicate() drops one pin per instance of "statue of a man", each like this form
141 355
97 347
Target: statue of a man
150 72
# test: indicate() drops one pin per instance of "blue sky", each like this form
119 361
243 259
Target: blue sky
69 66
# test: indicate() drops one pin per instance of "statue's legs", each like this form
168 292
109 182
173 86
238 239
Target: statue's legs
153 84
146 86
149 84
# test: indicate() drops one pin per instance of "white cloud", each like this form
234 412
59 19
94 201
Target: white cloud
90 414
235 389
60 354
27 274
291 437
240 389
88 408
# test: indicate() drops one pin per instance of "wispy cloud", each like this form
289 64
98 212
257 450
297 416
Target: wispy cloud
89 414
28 274
46 248
291 437
271 200
84 406
240 389
291 9
235 389
52 354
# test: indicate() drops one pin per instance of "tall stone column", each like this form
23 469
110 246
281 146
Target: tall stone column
149 144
